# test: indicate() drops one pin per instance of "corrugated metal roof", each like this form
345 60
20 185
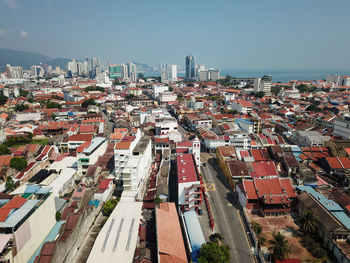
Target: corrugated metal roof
330 205
16 216
195 232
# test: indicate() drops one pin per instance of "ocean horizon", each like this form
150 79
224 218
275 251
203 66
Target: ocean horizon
277 75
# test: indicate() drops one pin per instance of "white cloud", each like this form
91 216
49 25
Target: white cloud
11 3
23 33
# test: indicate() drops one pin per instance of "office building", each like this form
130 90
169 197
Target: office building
190 68
164 76
173 72
263 84
14 72
115 71
131 68
206 75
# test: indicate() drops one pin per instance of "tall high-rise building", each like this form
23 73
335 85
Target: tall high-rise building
190 68
115 71
173 72
164 76
131 68
14 72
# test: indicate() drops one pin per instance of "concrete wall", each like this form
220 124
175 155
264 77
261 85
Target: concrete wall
41 223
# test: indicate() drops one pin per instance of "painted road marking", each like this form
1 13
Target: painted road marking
209 187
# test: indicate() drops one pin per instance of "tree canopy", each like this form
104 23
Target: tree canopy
303 88
23 93
259 94
21 107
313 107
130 96
88 102
109 206
214 252
18 163
279 246
10 184
309 223
53 105
3 98
17 140
92 88
4 150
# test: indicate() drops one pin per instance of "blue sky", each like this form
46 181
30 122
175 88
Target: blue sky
225 34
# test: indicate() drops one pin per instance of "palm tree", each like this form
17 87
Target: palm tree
309 223
280 247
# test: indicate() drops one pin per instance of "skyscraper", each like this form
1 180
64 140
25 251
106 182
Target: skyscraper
173 72
115 71
190 68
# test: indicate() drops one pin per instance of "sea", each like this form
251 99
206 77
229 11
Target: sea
277 75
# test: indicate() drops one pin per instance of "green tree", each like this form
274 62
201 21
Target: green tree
130 96
214 252
171 89
3 98
88 102
313 107
279 246
140 76
275 89
4 150
58 216
116 82
21 107
309 223
30 100
257 228
259 94
18 163
10 184
92 88
109 206
216 237
23 93
158 200
53 105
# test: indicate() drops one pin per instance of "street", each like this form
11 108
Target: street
226 216
108 125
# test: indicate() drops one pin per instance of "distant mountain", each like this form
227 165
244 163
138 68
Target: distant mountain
27 59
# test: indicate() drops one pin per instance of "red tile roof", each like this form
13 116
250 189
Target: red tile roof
104 184
186 169
249 188
14 203
80 137
345 161
333 163
87 128
169 235
263 169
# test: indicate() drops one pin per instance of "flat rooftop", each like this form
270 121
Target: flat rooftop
142 144
118 238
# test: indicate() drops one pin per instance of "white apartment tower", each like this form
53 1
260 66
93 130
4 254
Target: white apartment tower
173 72
263 84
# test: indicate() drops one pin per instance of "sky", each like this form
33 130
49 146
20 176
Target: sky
224 34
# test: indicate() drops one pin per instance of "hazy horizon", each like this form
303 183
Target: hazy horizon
250 35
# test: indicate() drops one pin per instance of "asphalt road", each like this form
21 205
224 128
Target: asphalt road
109 125
226 215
